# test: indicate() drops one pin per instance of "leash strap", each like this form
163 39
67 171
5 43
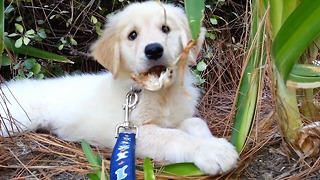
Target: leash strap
122 165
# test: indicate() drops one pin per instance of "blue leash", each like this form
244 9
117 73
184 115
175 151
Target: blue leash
122 165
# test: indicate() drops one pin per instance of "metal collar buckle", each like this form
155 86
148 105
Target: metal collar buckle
132 99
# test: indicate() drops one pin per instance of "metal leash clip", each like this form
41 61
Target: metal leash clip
132 99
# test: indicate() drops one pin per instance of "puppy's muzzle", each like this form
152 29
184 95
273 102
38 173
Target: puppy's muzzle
159 75
153 51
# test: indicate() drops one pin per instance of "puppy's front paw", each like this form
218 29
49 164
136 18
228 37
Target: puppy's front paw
216 157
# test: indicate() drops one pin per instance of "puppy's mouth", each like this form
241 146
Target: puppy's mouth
156 78
156 70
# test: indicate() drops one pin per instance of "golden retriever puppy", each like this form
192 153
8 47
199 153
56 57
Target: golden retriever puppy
138 38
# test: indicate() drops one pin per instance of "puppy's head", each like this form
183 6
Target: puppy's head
142 36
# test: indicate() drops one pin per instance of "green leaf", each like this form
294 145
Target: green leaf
42 33
209 55
211 35
304 76
9 9
30 74
21 73
306 70
249 88
19 19
40 76
13 35
182 169
93 176
29 63
52 16
19 27
16 66
201 66
213 21
30 32
195 14
73 42
201 80
196 72
60 47
99 159
295 35
34 52
40 22
276 11
36 68
62 40
148 169
64 12
98 29
18 42
93 19
69 21
91 157
4 60
26 40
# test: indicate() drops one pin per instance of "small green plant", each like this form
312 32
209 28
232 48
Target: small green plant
201 66
29 68
25 36
97 25
95 160
69 41
16 49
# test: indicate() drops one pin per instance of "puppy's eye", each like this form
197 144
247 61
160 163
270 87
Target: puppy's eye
133 35
165 29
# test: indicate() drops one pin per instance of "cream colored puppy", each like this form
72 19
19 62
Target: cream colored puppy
135 40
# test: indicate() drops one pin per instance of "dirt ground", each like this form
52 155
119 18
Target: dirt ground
270 163
32 160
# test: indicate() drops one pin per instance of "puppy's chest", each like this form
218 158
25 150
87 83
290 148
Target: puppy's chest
162 110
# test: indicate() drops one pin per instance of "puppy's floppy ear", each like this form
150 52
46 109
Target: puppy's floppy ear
106 50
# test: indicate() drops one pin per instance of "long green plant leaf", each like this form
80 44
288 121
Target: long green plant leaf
92 159
306 70
148 169
182 169
35 52
276 12
249 88
287 109
195 14
285 98
295 35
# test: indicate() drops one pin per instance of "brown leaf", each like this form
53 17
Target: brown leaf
308 140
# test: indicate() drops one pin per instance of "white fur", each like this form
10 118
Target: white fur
90 106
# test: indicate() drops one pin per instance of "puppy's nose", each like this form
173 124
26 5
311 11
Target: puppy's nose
153 51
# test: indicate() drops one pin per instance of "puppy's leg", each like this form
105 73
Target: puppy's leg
225 151
195 127
212 155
